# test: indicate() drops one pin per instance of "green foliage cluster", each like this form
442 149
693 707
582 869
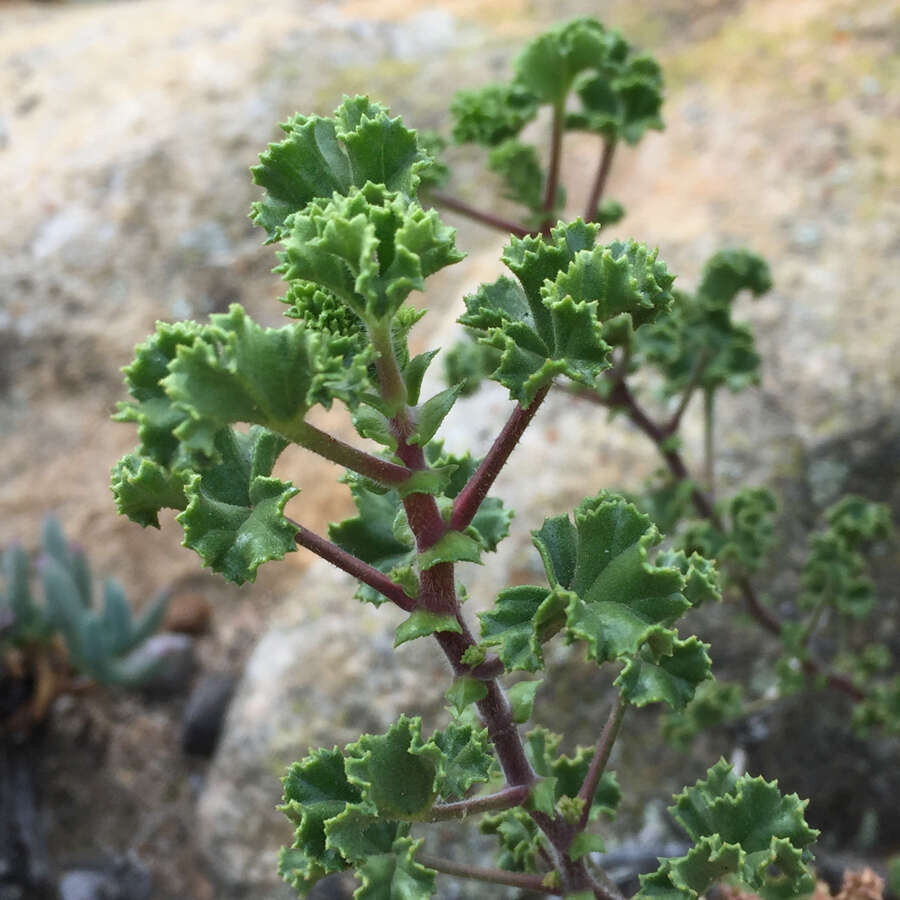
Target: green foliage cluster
346 199
99 642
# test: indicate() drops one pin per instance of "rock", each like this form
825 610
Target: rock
205 714
175 655
120 878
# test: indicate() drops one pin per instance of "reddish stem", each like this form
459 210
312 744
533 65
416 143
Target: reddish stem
601 758
477 215
472 495
354 566
521 880
621 396
599 186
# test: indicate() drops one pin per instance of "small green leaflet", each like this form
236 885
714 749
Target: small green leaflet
742 827
422 623
521 699
465 690
321 156
670 679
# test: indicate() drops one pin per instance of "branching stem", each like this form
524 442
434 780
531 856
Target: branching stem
472 495
600 179
354 566
601 758
335 450
620 396
521 880
505 799
476 215
550 190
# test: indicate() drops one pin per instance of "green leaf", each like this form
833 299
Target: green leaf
670 679
621 601
519 838
740 826
142 487
370 535
358 833
234 518
549 64
521 699
316 789
520 168
422 623
454 546
430 414
396 772
524 617
321 156
571 297
395 875
621 100
492 114
701 582
465 690
467 759
371 249
237 371
700 328
860 521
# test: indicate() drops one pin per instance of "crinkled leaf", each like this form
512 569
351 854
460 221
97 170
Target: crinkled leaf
523 618
237 371
549 64
316 789
320 156
358 833
571 296
520 168
467 759
701 581
519 838
714 703
395 875
422 623
234 518
142 487
620 600
670 679
622 99
371 248
492 114
860 521
699 331
740 826
397 772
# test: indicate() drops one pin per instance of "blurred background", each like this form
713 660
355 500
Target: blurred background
126 133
